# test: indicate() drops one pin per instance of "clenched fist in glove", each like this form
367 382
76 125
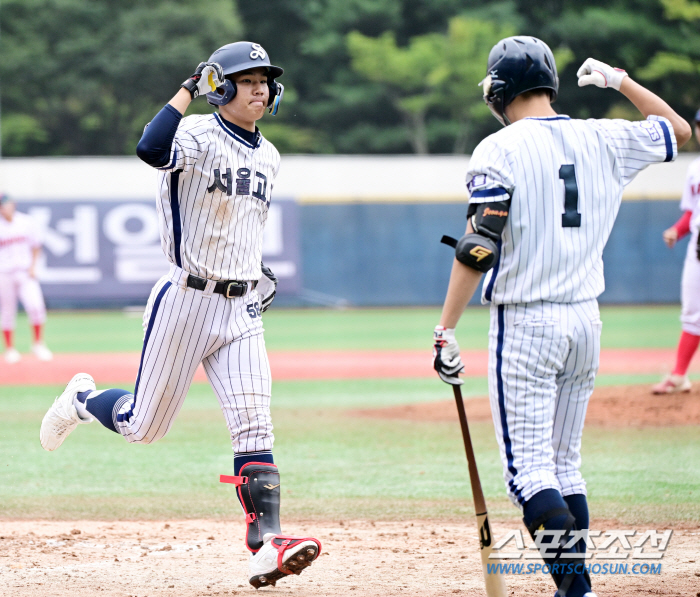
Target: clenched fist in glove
595 72
267 287
447 361
207 77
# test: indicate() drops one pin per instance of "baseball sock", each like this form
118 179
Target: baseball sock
37 333
243 458
100 404
538 511
687 346
8 338
578 505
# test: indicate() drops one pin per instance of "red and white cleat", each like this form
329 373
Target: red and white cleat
280 556
672 384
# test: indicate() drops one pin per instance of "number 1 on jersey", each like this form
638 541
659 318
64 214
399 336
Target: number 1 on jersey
570 218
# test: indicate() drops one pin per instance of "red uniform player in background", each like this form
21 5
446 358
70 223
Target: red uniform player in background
19 251
689 222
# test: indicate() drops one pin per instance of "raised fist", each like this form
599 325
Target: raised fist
207 77
595 72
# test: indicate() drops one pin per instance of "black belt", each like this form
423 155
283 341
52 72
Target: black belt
229 288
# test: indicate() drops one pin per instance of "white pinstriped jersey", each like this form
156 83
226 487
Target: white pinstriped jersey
690 201
213 199
565 180
17 239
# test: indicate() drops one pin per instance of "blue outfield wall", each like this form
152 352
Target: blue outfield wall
390 254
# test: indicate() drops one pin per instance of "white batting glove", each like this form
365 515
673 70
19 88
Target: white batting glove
595 72
207 77
446 359
267 287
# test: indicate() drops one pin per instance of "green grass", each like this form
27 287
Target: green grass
333 465
353 329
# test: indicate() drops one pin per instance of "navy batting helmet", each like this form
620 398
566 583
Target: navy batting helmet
240 56
516 65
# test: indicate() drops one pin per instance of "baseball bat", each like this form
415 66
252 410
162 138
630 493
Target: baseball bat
495 583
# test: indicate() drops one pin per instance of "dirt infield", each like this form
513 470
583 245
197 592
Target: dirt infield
614 406
110 367
198 558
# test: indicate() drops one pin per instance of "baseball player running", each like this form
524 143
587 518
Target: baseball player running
678 380
216 173
545 191
19 251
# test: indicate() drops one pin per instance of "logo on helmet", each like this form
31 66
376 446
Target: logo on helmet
257 52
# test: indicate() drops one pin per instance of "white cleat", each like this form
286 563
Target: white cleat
672 384
12 356
280 556
41 351
62 417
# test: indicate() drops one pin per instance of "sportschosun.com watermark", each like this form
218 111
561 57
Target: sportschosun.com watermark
607 552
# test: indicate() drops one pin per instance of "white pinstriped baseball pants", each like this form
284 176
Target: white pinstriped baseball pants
182 328
543 359
20 285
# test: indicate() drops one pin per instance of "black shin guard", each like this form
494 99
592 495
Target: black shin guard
563 562
259 491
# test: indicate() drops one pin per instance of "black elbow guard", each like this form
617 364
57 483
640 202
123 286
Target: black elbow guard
489 219
477 251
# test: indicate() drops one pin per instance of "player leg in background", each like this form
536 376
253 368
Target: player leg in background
678 380
528 347
181 326
239 372
33 302
8 309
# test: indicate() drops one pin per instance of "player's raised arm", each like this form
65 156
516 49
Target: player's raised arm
155 145
595 72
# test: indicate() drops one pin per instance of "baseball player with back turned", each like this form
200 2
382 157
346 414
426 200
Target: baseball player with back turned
545 191
689 222
19 252
216 173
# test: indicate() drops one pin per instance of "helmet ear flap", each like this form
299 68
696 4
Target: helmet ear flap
276 93
223 95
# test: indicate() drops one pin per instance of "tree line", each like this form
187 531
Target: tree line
361 76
